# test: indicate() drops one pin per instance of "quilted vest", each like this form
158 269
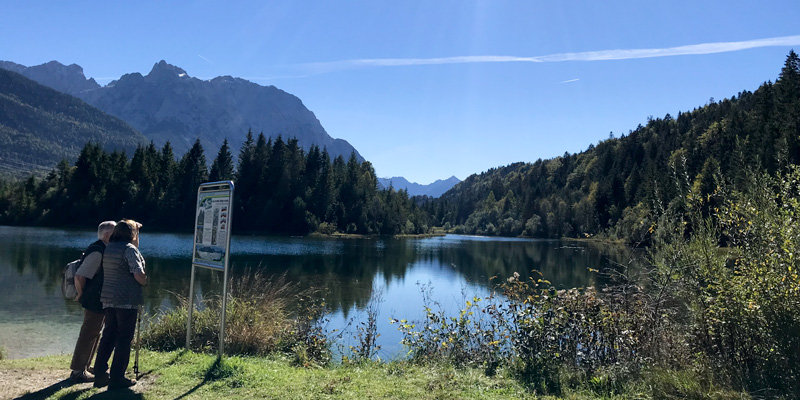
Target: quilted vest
120 289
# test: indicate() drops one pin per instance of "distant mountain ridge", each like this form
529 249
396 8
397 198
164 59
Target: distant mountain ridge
39 126
64 78
435 189
169 105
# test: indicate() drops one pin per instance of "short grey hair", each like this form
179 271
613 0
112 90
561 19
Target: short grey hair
105 226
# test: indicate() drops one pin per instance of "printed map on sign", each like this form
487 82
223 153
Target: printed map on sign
211 230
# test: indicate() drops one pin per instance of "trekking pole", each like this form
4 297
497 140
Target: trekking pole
138 341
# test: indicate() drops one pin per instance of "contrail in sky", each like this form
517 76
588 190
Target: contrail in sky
570 80
602 55
209 61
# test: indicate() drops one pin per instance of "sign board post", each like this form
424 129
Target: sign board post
212 244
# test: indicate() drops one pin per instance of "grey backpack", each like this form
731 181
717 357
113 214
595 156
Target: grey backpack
68 282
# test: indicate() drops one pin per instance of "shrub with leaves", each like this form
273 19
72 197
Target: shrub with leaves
754 322
579 331
726 271
538 332
366 335
472 338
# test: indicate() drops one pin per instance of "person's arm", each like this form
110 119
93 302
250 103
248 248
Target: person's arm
89 266
135 240
136 264
140 277
80 282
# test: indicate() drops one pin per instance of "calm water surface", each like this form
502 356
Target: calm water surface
36 320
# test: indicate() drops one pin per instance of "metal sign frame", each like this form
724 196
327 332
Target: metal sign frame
217 199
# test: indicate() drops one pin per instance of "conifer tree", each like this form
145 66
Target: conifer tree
192 171
246 183
788 108
167 167
222 167
118 191
88 181
322 197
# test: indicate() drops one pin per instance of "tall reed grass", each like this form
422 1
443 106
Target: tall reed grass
265 314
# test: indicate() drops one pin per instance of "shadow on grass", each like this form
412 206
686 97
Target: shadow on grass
217 370
46 392
175 359
213 373
127 393
124 394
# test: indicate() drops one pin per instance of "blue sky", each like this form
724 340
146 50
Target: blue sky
429 89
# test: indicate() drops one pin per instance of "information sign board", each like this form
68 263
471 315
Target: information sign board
212 225
212 244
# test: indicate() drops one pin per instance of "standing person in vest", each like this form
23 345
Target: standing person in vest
121 296
88 283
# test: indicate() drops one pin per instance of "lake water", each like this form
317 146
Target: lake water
36 320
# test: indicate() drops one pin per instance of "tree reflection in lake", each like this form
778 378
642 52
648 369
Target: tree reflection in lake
347 271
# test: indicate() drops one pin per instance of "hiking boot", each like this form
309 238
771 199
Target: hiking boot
81 377
121 383
101 380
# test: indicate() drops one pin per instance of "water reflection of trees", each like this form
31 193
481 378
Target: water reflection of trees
45 263
564 264
346 276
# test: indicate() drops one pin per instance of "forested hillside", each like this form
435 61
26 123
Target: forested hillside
616 186
39 126
279 188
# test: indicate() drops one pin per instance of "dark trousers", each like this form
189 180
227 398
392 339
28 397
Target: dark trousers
117 337
87 340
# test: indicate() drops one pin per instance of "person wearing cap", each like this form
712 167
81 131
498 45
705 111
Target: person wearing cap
88 283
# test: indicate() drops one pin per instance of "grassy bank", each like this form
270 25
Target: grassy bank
171 375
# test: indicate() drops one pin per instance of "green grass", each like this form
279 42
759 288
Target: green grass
193 375
171 375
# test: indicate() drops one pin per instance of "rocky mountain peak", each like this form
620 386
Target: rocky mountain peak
55 66
163 70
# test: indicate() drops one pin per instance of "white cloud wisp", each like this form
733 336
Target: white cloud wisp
602 55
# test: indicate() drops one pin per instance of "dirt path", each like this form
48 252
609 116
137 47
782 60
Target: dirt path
29 384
